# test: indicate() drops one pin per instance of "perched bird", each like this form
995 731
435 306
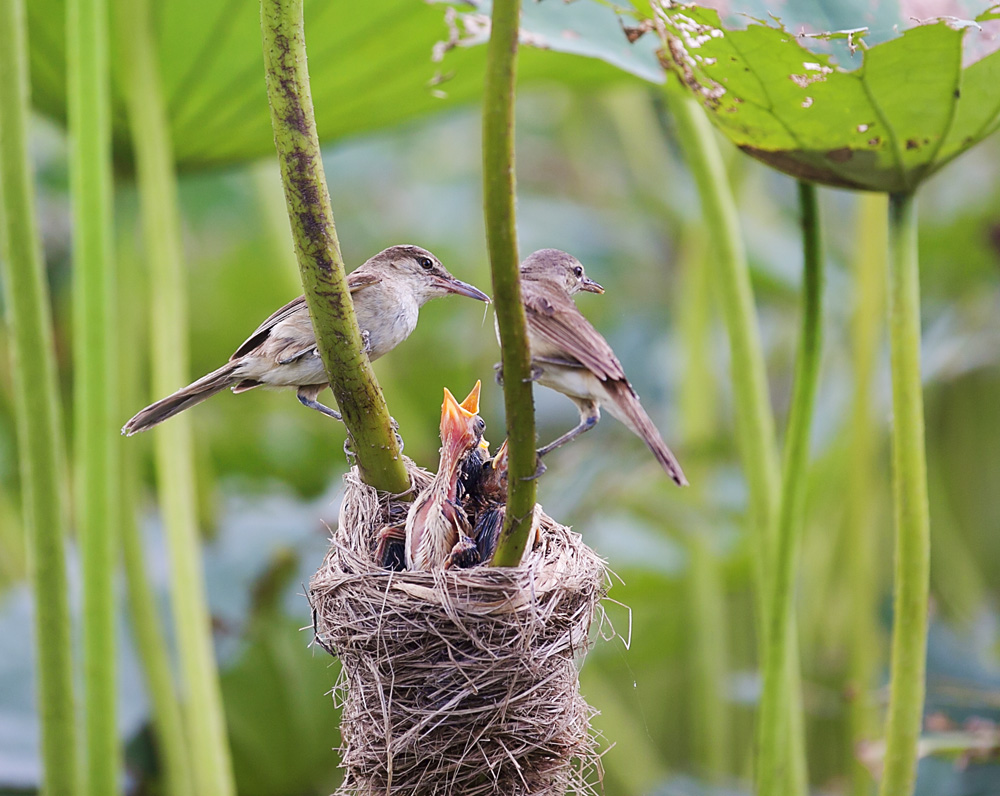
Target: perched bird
570 356
437 528
388 292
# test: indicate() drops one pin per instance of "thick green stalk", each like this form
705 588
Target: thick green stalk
151 644
773 750
94 391
13 555
173 450
909 630
321 264
860 574
38 423
698 401
501 236
146 623
754 423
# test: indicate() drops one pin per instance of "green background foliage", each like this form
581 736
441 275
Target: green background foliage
600 175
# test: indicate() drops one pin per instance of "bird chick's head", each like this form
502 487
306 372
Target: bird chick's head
423 274
461 426
495 481
558 266
499 462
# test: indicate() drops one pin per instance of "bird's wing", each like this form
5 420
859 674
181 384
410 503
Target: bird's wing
261 332
356 280
554 317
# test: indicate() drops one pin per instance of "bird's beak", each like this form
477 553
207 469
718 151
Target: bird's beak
591 286
500 460
471 402
454 424
461 288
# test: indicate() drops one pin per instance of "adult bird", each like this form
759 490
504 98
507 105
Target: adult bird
437 528
570 356
388 292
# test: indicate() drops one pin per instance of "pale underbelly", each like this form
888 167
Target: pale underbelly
574 382
307 370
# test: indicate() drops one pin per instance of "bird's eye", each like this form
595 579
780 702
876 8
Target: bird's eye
426 263
578 270
480 424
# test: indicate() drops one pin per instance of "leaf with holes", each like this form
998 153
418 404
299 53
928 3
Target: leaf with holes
907 110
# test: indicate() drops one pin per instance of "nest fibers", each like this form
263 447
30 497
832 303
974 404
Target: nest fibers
461 681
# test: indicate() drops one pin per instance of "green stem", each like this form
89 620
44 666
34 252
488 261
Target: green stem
754 423
710 657
501 237
773 752
174 456
13 555
146 623
321 264
698 404
860 572
147 631
94 335
909 631
38 422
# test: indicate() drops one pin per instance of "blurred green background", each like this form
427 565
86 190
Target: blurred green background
599 175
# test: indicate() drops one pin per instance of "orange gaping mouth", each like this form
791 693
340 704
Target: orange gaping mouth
456 419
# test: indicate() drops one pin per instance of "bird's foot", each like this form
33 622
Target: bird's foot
366 341
352 457
395 430
312 403
540 468
534 374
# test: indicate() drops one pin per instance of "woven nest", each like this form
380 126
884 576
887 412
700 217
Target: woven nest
460 681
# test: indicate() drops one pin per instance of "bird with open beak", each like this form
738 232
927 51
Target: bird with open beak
437 528
388 292
569 355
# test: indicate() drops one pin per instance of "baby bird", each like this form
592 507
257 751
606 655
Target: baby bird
437 528
489 504
388 292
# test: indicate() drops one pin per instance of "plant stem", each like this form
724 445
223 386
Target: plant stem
773 748
754 423
698 402
501 236
212 770
146 623
94 335
150 642
38 422
860 574
909 632
318 251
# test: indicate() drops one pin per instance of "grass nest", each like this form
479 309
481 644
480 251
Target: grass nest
460 681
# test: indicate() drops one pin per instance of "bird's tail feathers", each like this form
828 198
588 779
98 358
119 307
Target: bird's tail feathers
626 408
194 393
